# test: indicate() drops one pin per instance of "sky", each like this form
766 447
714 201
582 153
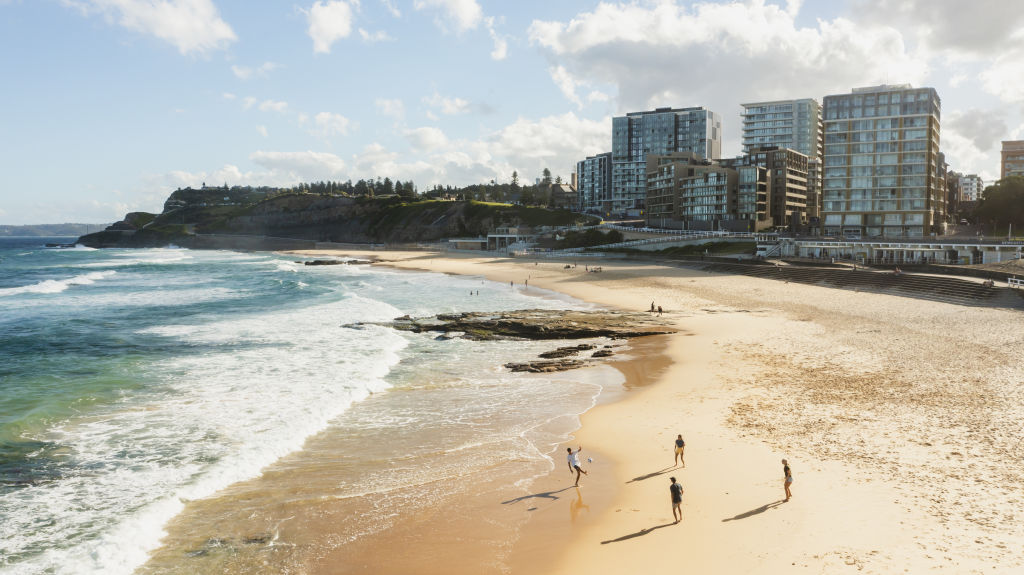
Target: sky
108 106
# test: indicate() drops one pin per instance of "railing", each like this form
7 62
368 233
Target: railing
1015 283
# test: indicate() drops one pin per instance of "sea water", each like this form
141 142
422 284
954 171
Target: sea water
134 381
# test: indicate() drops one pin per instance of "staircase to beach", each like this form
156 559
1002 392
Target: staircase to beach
946 289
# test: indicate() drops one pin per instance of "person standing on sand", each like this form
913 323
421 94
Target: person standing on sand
574 463
788 473
680 446
652 307
677 499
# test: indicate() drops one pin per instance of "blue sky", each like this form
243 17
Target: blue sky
109 105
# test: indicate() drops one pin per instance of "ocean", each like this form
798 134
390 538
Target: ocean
134 383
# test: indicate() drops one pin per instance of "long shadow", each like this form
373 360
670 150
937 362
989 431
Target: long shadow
650 475
637 534
757 511
543 495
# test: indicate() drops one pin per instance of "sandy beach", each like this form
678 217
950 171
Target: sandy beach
902 421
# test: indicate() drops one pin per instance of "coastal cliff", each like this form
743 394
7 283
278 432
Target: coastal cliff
220 219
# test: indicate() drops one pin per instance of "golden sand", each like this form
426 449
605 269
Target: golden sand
902 420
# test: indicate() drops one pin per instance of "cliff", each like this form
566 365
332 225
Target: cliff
208 219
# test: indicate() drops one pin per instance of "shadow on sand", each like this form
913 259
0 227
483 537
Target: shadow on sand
753 512
543 495
637 534
650 475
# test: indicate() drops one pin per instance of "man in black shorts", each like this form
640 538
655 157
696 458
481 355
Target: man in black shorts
677 499
574 463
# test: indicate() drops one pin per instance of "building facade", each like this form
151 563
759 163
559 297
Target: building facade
970 188
793 124
594 183
685 191
788 170
881 163
1012 156
637 135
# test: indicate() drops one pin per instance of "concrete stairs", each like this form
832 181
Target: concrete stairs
946 289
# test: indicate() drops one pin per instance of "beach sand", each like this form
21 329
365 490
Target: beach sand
902 421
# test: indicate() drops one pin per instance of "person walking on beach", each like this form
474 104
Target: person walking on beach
788 473
659 311
652 307
574 463
680 446
677 499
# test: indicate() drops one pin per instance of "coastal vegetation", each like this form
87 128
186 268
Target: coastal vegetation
321 215
1002 206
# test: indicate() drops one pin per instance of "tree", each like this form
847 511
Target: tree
558 179
1002 203
515 180
546 180
388 187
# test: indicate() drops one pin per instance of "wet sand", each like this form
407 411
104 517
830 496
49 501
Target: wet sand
902 420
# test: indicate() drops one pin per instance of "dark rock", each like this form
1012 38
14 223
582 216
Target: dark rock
567 351
603 353
548 366
536 324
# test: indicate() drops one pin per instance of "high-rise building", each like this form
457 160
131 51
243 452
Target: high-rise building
881 163
1012 159
685 191
660 131
793 124
594 183
970 188
788 170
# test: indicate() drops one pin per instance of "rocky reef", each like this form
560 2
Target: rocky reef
538 324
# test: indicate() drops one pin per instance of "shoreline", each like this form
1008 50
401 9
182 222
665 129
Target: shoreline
764 370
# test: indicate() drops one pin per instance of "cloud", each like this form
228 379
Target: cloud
328 23
717 55
390 6
447 106
979 28
462 15
192 26
500 51
300 166
393 108
374 37
1005 76
983 128
329 124
228 96
245 72
426 139
272 106
263 131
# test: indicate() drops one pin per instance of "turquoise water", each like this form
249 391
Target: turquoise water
133 380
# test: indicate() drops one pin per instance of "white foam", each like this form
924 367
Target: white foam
57 286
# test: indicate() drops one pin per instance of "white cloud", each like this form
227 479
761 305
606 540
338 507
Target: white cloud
978 27
390 6
393 108
447 106
300 166
245 72
192 26
228 96
249 102
329 124
426 138
263 131
718 55
272 106
500 51
461 14
328 23
374 37
1005 76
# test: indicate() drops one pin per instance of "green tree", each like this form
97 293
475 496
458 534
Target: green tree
546 179
515 180
1002 204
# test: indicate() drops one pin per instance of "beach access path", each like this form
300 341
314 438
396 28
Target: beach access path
901 418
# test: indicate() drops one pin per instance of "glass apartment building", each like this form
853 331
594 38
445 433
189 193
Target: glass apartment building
656 132
793 124
594 183
881 163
